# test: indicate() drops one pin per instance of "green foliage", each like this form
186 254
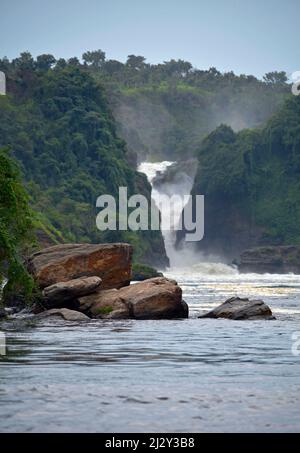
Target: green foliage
57 120
165 110
256 173
16 227
58 123
142 272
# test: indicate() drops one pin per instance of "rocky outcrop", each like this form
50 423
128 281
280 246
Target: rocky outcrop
155 298
61 263
105 304
141 272
271 259
59 293
94 280
241 309
65 313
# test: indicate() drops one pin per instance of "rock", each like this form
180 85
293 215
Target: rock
59 293
105 304
240 309
65 313
3 313
141 272
156 298
61 263
271 259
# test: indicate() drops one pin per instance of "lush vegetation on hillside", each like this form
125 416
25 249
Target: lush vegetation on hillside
16 227
251 180
165 110
57 121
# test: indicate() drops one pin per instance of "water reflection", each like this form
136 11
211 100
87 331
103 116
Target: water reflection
181 375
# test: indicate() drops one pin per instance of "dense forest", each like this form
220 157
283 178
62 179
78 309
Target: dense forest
78 128
60 129
251 181
165 110
17 225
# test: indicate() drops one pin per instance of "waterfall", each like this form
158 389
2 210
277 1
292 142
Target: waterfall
172 178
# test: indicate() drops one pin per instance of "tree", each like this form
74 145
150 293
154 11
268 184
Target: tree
45 62
276 77
95 58
60 63
74 61
113 66
177 67
136 62
24 62
16 227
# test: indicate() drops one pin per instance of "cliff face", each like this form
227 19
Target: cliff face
228 229
273 260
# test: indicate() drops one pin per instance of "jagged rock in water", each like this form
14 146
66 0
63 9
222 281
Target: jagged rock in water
65 313
156 298
59 293
61 263
241 309
271 259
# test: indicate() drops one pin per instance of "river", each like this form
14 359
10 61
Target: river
191 375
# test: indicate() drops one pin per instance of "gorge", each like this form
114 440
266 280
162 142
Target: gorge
97 351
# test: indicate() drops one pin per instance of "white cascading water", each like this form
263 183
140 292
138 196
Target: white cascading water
186 257
180 185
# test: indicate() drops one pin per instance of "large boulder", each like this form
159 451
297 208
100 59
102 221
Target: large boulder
241 309
61 263
65 313
271 259
105 304
156 298
59 293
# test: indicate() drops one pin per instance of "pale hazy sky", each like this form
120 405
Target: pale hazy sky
246 36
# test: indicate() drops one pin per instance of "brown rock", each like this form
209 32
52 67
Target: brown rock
105 304
59 293
156 298
65 313
60 263
280 259
241 309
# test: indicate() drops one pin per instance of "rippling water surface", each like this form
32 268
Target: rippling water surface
193 375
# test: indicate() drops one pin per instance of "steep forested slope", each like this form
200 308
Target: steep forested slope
57 120
251 181
165 110
59 126
16 227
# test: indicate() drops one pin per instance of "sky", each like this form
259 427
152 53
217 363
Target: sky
245 36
